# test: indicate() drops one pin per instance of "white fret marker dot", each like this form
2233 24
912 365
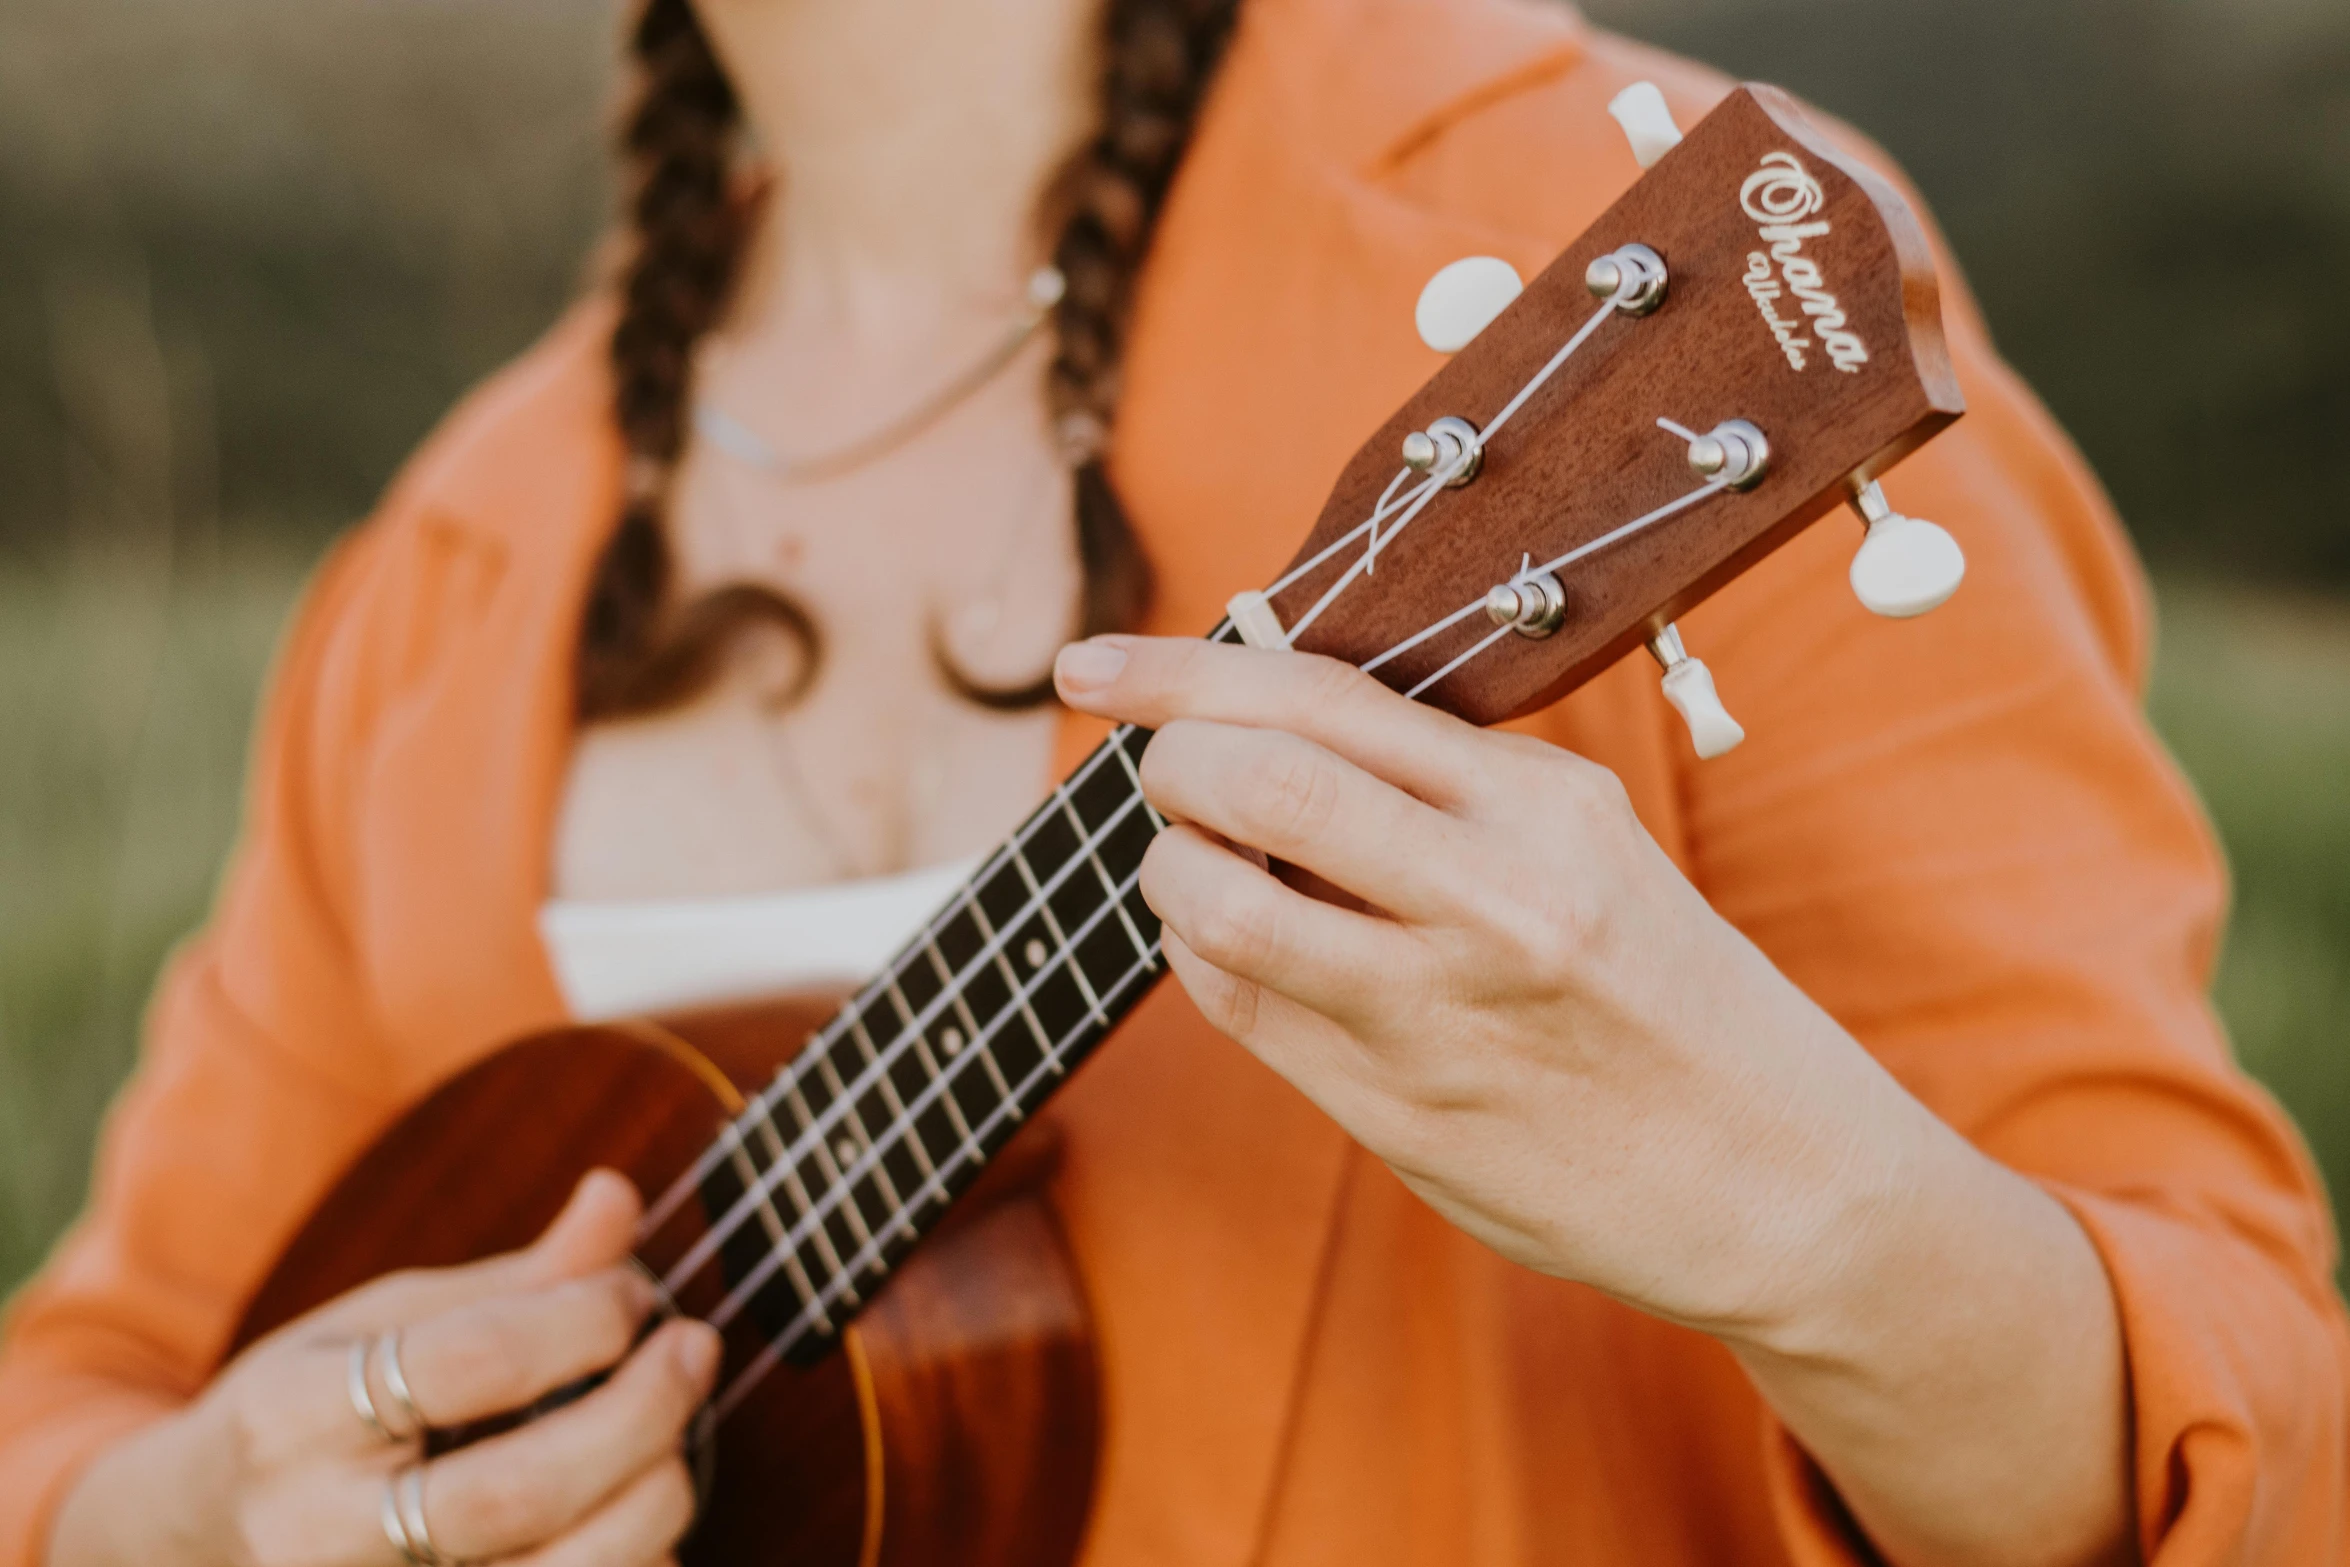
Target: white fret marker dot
951 1041
1034 953
846 1152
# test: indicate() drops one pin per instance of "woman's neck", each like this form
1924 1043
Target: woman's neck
909 140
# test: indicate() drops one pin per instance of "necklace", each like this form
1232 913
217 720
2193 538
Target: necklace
731 436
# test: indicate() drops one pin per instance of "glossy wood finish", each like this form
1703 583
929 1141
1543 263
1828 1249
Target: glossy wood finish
1585 455
959 1425
960 1421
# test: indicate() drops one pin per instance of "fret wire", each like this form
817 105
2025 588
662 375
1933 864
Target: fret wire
796 1190
1117 743
897 1106
995 944
1109 884
778 1347
830 1166
685 1186
750 1175
962 1006
695 1258
889 1187
929 1065
1052 923
700 1253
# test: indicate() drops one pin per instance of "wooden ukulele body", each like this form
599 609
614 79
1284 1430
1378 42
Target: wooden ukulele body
958 1420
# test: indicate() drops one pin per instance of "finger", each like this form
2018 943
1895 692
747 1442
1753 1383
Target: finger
1348 1078
1246 923
503 1354
1300 803
637 1528
594 1231
1153 681
526 1487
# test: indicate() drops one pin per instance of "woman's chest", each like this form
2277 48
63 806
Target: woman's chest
849 753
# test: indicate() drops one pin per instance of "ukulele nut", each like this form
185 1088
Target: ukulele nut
1439 448
1532 606
1734 452
1632 278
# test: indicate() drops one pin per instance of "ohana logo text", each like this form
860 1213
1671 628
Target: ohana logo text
1781 196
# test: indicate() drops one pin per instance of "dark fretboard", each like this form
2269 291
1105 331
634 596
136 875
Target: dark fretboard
819 1189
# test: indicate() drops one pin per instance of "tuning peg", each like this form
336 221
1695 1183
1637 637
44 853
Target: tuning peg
1461 300
1689 686
1904 567
1640 110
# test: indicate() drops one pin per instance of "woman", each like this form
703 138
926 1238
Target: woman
2035 1276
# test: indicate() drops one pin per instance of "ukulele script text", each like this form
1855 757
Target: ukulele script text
1780 197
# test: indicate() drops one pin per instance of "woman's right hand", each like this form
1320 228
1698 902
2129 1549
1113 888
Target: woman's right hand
272 1466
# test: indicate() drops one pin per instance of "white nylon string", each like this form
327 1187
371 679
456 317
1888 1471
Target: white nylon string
831 1293
902 1128
1404 508
1673 508
760 1192
683 1189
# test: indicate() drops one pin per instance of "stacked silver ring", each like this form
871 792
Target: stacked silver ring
403 1520
384 1349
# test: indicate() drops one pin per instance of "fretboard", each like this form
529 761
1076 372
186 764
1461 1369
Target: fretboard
820 1188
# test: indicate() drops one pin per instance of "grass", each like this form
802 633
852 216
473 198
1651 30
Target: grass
126 684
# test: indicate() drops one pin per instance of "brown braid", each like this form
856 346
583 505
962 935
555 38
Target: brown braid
639 653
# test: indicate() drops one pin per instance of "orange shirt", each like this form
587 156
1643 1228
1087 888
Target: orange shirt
1957 834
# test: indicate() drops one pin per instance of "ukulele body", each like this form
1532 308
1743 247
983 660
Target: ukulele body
958 1418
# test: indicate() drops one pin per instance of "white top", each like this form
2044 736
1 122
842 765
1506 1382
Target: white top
626 959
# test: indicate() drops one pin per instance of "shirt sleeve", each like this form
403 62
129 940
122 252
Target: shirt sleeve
258 1080
1961 837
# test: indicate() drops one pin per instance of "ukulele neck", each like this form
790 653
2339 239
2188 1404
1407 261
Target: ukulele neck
825 1182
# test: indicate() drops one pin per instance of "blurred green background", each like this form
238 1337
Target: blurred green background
250 250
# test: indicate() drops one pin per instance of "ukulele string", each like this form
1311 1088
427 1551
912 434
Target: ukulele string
900 1128
683 1189
1421 494
837 1194
1674 508
1411 504
789 1077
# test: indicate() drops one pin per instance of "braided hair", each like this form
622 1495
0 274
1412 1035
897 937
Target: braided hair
691 220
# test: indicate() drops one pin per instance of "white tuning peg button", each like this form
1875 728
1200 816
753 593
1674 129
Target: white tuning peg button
1689 686
1904 567
1648 124
1461 301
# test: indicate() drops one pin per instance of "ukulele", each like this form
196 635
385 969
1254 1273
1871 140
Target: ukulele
1742 343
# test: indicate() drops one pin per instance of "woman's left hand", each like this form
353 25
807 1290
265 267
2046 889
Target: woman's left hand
1495 980
1479 963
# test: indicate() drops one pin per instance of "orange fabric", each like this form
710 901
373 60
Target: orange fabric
1958 835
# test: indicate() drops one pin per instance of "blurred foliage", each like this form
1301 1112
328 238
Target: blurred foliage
2152 200
126 678
249 250
339 213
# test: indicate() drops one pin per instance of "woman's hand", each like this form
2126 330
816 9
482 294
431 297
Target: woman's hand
1479 963
274 1467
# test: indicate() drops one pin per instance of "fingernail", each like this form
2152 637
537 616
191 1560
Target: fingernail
697 1352
1086 667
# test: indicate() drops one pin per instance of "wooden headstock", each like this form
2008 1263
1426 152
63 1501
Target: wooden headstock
1798 296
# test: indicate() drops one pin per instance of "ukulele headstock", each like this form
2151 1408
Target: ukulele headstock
1743 342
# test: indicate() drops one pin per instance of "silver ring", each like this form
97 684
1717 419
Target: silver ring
396 1384
403 1520
362 1398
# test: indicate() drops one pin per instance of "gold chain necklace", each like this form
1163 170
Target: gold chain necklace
731 436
